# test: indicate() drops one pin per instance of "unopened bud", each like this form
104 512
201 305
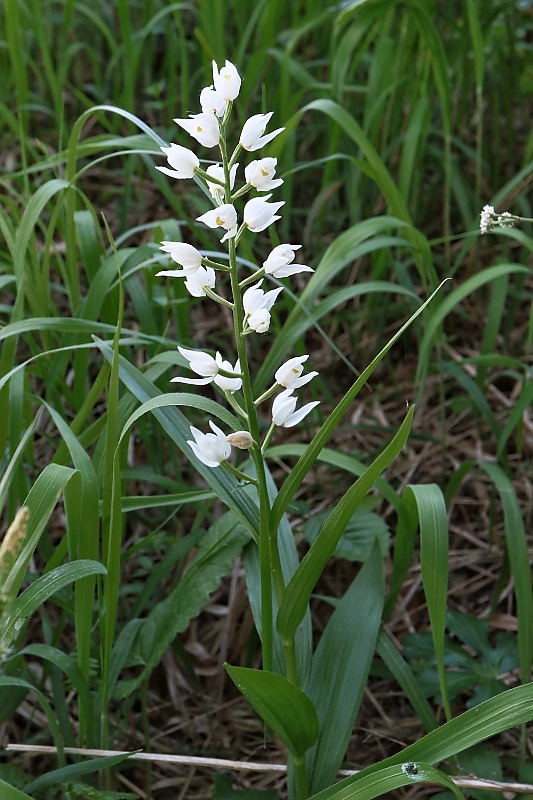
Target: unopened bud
240 439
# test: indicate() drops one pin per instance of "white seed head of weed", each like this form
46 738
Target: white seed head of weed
16 533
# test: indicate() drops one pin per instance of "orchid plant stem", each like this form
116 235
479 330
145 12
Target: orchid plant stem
270 563
250 307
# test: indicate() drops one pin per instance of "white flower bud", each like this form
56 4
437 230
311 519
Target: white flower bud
240 439
227 82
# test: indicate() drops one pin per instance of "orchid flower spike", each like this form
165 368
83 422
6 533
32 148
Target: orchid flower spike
224 216
227 81
184 254
183 162
258 214
257 305
288 375
279 263
252 132
283 410
202 127
210 448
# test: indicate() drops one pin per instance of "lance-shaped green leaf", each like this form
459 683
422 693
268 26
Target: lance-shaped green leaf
508 709
308 459
43 588
178 429
282 705
11 793
388 779
58 777
340 668
299 588
433 522
40 503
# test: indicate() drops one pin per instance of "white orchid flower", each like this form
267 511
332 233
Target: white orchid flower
210 448
212 102
184 254
201 363
283 410
259 321
280 260
257 305
183 162
258 214
224 383
224 216
203 278
289 374
260 174
252 132
227 81
202 127
216 171
209 368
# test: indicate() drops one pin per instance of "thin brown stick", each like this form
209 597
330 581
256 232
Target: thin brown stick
251 766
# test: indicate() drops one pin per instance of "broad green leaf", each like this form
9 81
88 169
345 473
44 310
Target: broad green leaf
299 588
281 705
340 669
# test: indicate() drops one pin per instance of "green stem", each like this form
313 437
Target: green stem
270 566
266 395
242 476
217 298
252 278
300 777
236 406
